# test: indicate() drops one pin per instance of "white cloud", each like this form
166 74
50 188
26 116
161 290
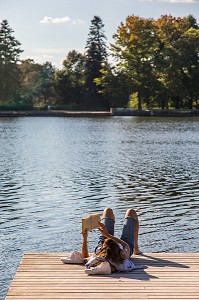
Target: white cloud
66 19
180 1
172 1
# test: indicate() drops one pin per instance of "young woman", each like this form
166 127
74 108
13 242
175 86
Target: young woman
115 251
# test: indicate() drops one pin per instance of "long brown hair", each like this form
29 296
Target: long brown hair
111 250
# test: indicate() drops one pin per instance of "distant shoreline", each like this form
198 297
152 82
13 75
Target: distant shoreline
54 113
112 112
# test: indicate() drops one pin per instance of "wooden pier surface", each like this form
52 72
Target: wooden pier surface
168 276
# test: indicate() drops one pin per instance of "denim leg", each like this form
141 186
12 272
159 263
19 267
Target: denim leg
128 232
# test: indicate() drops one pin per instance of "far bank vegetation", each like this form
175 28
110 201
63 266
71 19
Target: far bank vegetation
151 64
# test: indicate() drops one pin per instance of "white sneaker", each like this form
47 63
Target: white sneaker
75 257
102 269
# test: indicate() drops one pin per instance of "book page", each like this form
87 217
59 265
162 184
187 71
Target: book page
91 222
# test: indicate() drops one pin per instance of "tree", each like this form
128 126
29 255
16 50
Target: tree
134 51
190 68
177 59
9 57
114 85
160 59
36 83
69 82
96 56
46 84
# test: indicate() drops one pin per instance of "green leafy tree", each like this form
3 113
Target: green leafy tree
160 59
169 30
70 81
96 56
28 81
36 83
134 51
47 93
9 57
114 85
191 22
190 63
177 59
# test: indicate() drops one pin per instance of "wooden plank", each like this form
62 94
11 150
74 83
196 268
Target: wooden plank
168 276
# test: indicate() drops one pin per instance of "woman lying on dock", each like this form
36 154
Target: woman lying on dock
112 253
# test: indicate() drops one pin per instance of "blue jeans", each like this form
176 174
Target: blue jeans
128 232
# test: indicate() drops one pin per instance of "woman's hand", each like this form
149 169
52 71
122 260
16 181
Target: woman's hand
103 230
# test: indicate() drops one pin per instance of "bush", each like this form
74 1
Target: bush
15 106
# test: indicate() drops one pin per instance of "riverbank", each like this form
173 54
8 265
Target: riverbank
112 112
154 112
55 113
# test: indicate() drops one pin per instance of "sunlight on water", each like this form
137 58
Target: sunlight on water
54 171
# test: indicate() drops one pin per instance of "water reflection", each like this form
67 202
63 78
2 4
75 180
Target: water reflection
56 170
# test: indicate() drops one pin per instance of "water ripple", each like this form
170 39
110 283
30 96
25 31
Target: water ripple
54 171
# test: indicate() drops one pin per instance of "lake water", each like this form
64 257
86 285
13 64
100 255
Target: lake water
54 171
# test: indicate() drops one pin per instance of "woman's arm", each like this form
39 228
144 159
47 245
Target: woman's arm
85 244
125 253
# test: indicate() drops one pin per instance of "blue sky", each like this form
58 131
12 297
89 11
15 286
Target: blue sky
49 29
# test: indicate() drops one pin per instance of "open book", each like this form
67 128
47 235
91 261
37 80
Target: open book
91 222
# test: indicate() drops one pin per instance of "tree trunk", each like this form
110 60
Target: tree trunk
190 103
139 102
177 102
162 104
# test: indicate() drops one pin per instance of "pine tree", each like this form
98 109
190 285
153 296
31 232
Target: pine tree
96 55
9 57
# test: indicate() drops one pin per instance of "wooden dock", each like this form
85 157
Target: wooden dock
168 276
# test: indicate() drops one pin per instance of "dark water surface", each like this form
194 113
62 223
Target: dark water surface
54 171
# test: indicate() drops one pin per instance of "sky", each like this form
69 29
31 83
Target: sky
49 29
